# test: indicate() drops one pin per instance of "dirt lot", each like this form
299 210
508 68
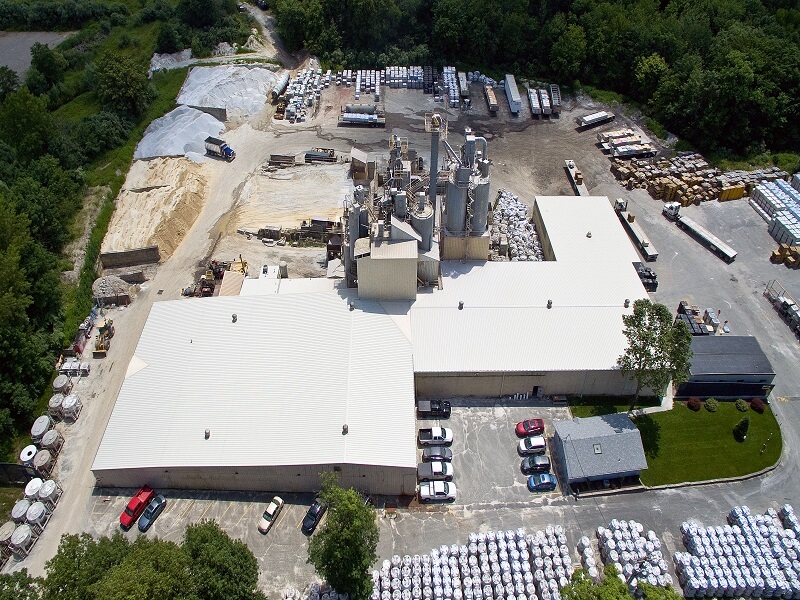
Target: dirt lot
15 46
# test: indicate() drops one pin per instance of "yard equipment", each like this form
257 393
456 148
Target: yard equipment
105 331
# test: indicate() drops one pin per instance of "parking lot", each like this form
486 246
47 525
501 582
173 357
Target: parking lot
485 459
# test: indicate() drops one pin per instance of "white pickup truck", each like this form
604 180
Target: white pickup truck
432 491
435 435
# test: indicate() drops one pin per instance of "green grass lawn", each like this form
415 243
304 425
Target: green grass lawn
8 497
594 406
682 445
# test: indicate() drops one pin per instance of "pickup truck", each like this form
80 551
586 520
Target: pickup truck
136 506
434 471
435 435
436 409
437 491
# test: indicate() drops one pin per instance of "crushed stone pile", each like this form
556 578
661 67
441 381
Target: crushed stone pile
110 285
181 132
240 90
164 62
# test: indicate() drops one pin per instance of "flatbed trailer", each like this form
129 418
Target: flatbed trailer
536 106
576 178
596 119
701 234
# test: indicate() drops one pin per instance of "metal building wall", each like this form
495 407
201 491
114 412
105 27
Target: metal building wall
373 479
387 278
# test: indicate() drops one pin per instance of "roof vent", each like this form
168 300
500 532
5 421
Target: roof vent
233 318
598 449
345 429
352 306
549 304
588 234
208 433
461 305
627 302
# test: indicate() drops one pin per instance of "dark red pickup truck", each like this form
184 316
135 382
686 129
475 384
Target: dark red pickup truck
136 507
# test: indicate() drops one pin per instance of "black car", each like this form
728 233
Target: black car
313 516
538 463
434 453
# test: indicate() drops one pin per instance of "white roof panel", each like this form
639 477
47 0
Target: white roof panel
274 388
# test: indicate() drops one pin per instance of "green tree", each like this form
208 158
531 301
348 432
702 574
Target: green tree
9 82
19 586
581 587
568 53
153 568
50 63
649 70
741 429
658 349
343 551
221 568
122 85
25 124
169 40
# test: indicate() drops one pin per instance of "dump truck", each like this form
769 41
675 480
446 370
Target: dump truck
435 435
218 147
555 98
635 232
701 234
491 99
433 409
596 119
434 471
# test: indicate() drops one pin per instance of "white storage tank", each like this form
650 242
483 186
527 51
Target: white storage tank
44 462
50 492
27 455
62 384
6 531
37 516
32 488
22 540
71 407
19 510
52 441
54 406
41 426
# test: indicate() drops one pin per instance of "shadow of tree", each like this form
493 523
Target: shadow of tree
651 435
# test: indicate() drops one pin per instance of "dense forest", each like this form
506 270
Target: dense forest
723 74
70 123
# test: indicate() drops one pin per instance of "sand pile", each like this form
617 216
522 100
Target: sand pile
110 285
240 90
289 196
181 132
157 206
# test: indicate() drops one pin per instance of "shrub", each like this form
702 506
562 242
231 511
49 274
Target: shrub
741 405
741 429
712 405
693 404
758 405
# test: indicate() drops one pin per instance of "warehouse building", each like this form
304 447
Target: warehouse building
728 367
265 393
608 447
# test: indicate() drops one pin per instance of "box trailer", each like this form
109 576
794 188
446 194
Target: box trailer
596 119
512 93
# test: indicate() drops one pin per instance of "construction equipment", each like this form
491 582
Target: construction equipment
321 155
635 232
701 234
218 147
105 331
785 304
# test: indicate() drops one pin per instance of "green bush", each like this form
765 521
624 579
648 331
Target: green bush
741 405
712 405
741 429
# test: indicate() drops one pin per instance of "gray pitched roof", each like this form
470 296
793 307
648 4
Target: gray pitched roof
600 446
728 355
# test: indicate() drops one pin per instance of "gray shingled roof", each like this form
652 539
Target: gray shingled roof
728 355
620 446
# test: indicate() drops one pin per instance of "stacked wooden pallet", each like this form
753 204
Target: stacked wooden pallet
786 255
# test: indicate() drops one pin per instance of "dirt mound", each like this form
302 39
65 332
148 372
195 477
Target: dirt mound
158 205
110 285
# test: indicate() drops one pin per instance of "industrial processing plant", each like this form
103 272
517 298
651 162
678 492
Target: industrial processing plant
322 375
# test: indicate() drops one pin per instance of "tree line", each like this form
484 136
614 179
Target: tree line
723 74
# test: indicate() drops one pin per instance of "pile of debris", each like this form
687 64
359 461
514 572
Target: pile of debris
513 235
689 179
110 289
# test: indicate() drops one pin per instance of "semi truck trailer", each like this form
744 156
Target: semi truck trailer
701 234
218 147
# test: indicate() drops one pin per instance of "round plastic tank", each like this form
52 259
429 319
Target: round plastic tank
6 531
22 539
61 384
36 515
54 406
19 510
27 455
480 208
71 407
33 487
52 440
50 492
43 461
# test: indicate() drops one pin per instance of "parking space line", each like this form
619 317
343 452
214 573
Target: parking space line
225 512
283 516
244 512
205 511
187 509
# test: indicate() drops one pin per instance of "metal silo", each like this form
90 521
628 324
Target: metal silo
480 206
422 222
456 200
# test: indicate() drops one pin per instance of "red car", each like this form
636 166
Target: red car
136 506
530 427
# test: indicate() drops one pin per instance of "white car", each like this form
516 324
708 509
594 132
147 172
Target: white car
432 491
270 514
535 444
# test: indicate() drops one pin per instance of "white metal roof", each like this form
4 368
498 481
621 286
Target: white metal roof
274 388
264 286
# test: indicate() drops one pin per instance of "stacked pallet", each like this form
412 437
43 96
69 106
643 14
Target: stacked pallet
689 179
786 255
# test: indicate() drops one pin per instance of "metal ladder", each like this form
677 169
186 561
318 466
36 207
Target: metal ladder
468 224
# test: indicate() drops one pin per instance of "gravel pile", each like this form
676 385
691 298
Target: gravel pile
110 285
181 132
511 219
239 90
175 60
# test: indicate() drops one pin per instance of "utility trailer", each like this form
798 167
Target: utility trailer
576 178
635 232
555 98
361 120
536 106
701 234
512 93
633 151
596 119
491 99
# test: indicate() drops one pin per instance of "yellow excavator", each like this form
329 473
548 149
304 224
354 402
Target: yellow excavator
105 331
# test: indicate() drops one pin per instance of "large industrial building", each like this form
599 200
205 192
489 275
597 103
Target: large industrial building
291 378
